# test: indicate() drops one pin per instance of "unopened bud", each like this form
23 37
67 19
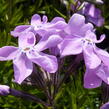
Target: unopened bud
4 90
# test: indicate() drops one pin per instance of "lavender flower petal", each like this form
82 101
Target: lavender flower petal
71 46
8 53
77 22
47 62
91 80
93 14
44 19
102 37
103 55
97 21
36 19
103 73
27 40
48 42
22 68
59 26
19 29
56 19
91 59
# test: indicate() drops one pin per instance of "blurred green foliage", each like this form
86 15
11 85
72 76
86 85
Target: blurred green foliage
72 94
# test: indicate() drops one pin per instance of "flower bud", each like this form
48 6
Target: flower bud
4 90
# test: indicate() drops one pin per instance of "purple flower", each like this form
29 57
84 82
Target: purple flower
105 106
41 27
76 31
81 39
93 14
28 53
4 90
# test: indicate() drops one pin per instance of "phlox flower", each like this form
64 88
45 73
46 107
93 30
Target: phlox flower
41 27
82 39
93 14
4 90
28 52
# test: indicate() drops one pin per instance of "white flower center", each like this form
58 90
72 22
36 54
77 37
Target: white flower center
36 27
87 41
26 49
39 26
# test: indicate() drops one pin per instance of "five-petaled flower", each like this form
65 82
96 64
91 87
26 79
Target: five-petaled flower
73 38
41 27
82 39
28 53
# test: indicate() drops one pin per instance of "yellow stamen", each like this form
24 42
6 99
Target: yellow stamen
26 49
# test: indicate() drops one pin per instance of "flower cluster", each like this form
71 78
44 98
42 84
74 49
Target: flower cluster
43 45
33 39
74 38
